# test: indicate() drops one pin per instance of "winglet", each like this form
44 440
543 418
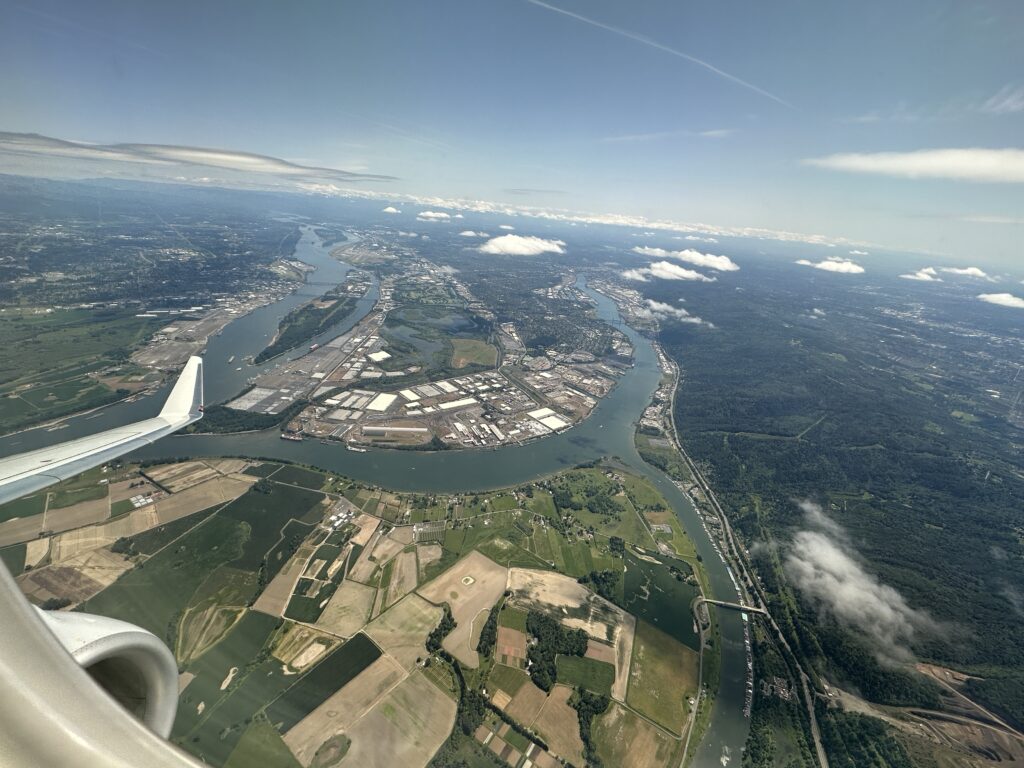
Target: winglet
185 403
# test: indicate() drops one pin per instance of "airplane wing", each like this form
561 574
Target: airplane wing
25 473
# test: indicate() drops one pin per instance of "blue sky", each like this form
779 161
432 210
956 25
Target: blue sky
698 112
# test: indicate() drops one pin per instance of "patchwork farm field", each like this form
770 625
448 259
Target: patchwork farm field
343 708
142 595
293 691
583 672
405 728
263 746
402 629
313 688
244 641
627 741
266 514
663 675
471 586
305 478
213 718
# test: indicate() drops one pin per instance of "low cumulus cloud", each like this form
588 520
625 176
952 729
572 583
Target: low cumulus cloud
1003 299
699 239
520 245
471 233
690 256
433 216
390 209
969 164
507 227
858 253
659 310
823 564
666 270
925 275
966 272
834 264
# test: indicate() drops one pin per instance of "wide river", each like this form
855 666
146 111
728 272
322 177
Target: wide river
608 432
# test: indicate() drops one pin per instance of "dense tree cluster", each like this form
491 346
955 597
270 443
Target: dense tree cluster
221 419
617 546
588 706
123 546
602 582
920 470
551 639
440 632
854 740
859 666
489 633
303 323
1004 695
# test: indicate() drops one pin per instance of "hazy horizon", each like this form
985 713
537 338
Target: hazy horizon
895 127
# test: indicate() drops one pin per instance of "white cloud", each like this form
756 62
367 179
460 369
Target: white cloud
519 245
823 564
818 312
507 227
637 275
1007 101
858 253
390 209
697 239
717 133
471 233
834 264
690 256
433 216
925 275
659 310
666 270
577 218
1003 299
458 216
966 272
969 164
407 234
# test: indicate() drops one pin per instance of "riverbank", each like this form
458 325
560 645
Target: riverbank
608 432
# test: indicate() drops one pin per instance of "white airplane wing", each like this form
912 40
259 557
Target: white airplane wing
25 473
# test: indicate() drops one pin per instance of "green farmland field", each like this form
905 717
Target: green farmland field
313 688
581 672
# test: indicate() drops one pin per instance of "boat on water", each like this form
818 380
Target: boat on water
231 359
293 438
355 448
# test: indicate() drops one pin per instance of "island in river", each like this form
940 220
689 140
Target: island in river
607 432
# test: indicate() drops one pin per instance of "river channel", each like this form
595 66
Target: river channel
608 432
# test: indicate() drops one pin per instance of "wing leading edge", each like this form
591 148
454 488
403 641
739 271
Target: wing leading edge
25 473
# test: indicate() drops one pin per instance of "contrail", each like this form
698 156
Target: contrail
661 47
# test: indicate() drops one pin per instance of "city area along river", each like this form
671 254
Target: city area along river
607 432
